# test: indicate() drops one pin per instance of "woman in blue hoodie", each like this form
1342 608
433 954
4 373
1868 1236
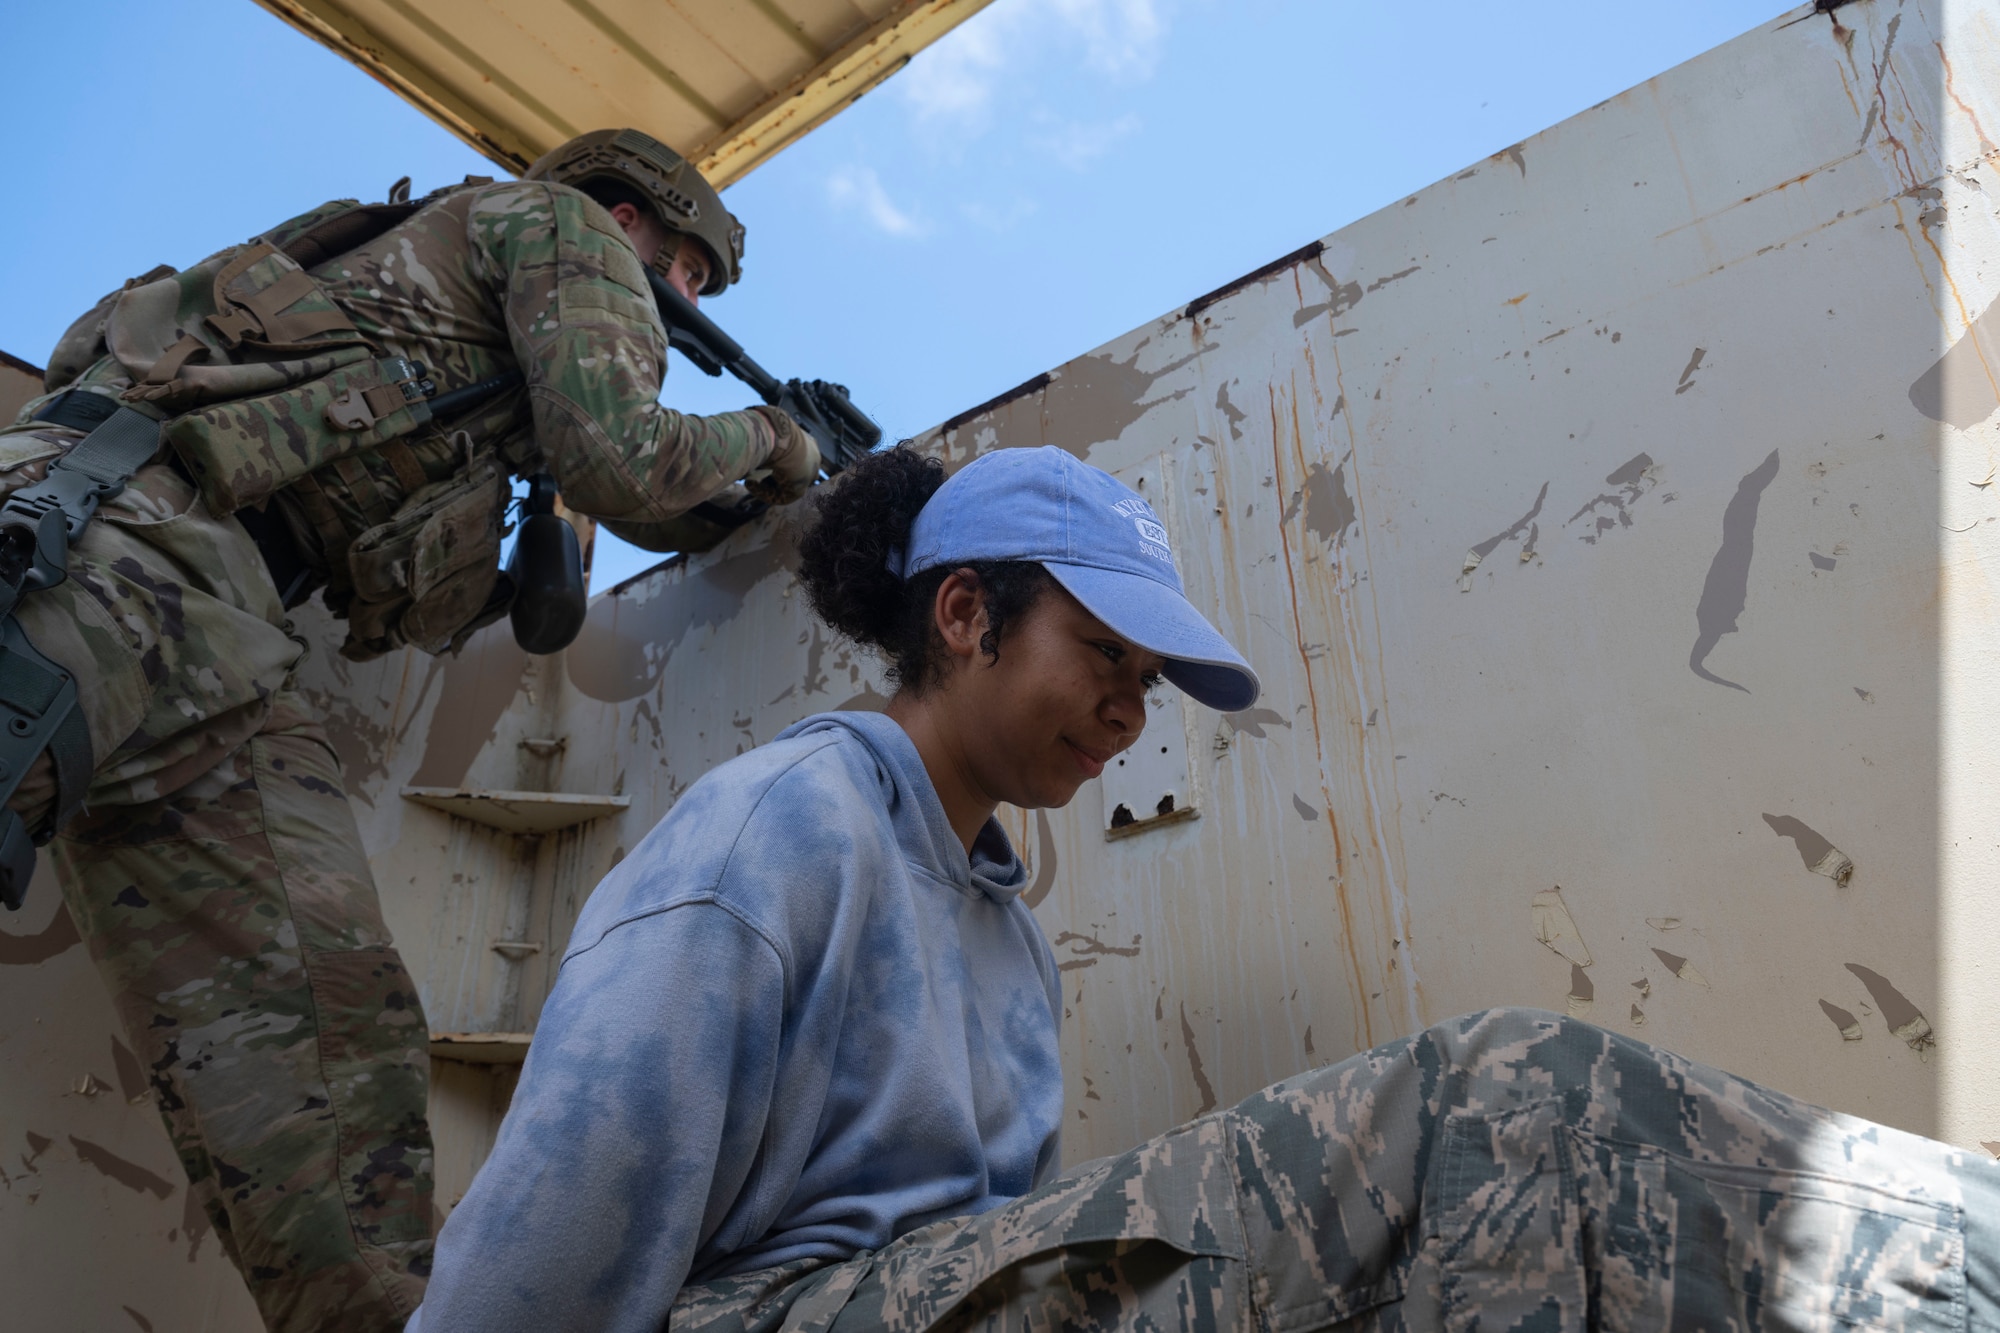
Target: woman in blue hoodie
799 1069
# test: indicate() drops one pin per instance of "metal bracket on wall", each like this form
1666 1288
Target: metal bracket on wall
520 812
528 816
481 1048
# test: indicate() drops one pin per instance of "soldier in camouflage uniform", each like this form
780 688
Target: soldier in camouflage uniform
215 869
1505 1172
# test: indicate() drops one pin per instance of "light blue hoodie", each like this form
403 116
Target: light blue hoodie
795 1022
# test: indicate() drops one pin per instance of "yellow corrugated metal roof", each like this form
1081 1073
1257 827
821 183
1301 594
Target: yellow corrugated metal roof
725 82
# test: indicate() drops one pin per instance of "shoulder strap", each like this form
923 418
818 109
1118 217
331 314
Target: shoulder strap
38 698
39 701
342 232
355 226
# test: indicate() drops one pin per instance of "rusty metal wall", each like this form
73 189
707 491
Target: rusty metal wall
19 382
1612 526
1615 527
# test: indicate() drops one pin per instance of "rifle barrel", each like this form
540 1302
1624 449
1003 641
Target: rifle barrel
682 317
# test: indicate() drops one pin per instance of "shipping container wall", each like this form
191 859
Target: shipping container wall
1616 528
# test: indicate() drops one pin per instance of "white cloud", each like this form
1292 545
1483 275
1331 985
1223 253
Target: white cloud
997 218
1077 145
954 79
951 85
860 188
1121 37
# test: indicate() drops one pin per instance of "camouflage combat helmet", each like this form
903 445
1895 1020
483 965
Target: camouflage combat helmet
685 203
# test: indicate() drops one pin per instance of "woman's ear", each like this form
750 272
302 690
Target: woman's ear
960 613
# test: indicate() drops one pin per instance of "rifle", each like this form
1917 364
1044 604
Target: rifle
842 431
546 570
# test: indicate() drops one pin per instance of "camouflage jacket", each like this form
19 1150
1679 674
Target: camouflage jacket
484 279
537 275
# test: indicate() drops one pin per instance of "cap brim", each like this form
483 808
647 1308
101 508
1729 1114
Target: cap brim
1199 660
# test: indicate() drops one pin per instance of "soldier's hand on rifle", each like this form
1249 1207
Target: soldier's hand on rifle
842 431
794 463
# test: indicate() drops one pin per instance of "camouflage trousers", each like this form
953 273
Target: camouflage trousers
1506 1172
217 876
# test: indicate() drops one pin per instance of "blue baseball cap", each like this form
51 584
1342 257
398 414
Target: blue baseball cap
1099 540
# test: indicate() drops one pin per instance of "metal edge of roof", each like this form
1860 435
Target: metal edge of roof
816 96
808 101
354 41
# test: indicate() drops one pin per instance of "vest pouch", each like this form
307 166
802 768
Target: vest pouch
241 452
427 577
245 321
264 299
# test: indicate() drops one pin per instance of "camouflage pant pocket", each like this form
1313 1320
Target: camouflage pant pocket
1125 1286
1537 1224
1150 1238
374 1057
1722 1245
1504 1219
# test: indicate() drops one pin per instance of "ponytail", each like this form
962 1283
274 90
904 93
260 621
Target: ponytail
844 559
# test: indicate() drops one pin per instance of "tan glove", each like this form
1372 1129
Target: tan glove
793 466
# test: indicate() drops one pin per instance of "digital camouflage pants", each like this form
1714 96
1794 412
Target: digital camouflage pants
1507 1172
218 879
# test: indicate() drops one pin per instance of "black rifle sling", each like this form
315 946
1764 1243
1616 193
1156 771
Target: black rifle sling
39 707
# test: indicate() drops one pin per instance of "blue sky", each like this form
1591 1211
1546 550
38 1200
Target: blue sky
1050 175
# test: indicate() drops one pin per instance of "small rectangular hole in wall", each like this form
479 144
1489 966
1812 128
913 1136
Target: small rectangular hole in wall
1149 784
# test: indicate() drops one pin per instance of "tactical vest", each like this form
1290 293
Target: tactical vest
276 404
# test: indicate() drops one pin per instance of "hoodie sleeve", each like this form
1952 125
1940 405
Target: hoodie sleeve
636 1125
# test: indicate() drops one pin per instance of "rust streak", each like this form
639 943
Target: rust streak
1903 92
1904 225
1959 299
1769 189
1355 975
1847 88
1967 317
1951 90
1881 106
1399 907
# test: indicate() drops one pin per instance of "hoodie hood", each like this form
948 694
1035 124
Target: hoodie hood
993 869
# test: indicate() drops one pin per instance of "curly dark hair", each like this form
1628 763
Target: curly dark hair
844 565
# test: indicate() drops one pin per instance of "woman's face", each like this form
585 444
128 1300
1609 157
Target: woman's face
1064 696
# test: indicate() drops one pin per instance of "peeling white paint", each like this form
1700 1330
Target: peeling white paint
1534 344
